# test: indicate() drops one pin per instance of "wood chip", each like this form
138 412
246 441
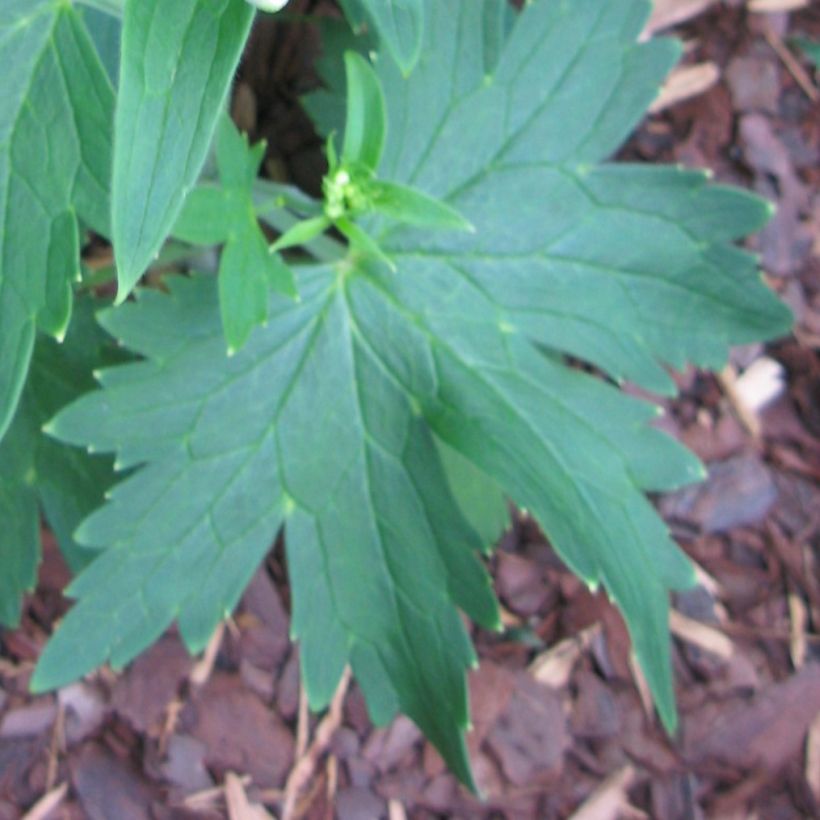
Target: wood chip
305 767
47 803
684 83
792 65
396 811
764 732
798 623
237 803
774 6
207 799
554 666
609 800
642 685
813 758
760 384
202 671
668 13
701 635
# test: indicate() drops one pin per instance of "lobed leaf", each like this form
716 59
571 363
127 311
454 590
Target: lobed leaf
248 268
178 60
55 123
327 420
39 474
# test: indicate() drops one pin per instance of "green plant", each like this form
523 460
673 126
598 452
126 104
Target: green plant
381 401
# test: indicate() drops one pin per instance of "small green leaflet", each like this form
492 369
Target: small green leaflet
399 23
37 473
351 187
327 419
55 126
365 126
211 215
178 60
809 48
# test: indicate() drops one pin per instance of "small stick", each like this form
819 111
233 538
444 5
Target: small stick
302 725
47 803
202 671
305 766
727 379
792 65
56 745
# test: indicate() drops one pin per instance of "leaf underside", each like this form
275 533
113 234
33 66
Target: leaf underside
327 420
55 123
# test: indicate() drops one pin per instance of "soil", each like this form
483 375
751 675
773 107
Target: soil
563 726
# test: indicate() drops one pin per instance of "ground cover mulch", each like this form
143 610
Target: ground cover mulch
563 725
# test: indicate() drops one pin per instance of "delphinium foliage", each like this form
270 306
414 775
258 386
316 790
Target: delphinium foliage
381 379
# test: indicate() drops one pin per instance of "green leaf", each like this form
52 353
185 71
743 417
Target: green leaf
248 267
55 125
20 544
326 420
37 473
479 498
413 207
365 501
400 24
302 232
106 32
362 242
365 124
178 60
206 217
327 106
809 48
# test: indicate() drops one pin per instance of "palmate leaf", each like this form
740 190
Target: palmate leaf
56 109
327 419
178 60
39 474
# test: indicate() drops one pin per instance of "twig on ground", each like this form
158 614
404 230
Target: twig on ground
727 379
794 68
56 745
396 810
202 671
302 725
608 801
305 766
47 803
207 798
237 803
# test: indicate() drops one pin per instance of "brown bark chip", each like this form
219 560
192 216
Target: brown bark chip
241 734
763 733
530 738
